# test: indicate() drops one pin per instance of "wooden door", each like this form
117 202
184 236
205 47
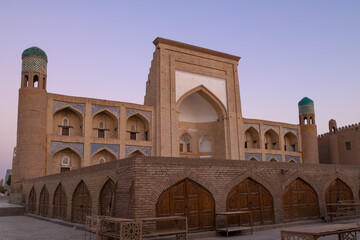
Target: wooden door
44 202
107 199
300 202
187 199
60 203
338 191
81 203
249 195
32 201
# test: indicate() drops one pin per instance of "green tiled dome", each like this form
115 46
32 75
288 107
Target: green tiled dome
34 52
306 101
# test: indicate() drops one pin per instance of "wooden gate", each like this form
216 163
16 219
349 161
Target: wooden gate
60 202
32 201
44 202
338 191
187 198
300 202
251 195
107 199
81 203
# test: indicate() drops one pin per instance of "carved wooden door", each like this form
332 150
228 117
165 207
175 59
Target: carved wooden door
44 202
81 204
187 199
300 202
337 191
249 195
107 199
60 203
32 201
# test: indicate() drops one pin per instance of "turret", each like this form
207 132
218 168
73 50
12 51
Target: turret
31 129
310 152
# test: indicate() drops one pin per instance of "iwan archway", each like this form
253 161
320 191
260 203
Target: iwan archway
200 116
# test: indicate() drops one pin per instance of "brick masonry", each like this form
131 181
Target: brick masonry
141 180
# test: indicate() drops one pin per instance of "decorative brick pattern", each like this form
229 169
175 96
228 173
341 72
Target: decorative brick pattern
114 148
98 108
288 158
306 109
275 128
77 147
34 64
294 131
254 125
270 156
131 149
248 156
58 105
131 111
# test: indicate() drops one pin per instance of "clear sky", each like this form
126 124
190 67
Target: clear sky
103 49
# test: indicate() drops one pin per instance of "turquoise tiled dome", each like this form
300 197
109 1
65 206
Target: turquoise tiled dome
34 52
306 101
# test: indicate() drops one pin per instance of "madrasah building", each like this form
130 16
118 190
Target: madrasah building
189 136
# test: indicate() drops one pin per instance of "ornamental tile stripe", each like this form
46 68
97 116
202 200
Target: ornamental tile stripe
98 108
114 148
254 125
268 157
288 158
131 111
58 105
248 156
34 64
57 146
131 149
275 128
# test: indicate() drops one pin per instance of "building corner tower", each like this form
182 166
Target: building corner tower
30 158
309 141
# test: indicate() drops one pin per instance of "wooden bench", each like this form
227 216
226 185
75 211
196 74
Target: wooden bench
342 208
228 228
348 231
181 233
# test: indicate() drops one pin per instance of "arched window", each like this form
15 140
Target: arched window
305 120
101 130
36 81
65 128
65 164
26 80
205 144
311 120
186 144
102 160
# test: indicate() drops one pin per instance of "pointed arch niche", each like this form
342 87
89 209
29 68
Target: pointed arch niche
137 128
60 203
105 125
81 203
32 201
67 122
338 191
105 154
252 138
107 199
201 115
58 163
271 139
44 202
290 142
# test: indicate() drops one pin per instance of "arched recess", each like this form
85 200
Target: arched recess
300 202
290 142
32 201
205 145
107 199
138 128
271 140
44 202
81 203
252 138
338 191
104 153
189 199
200 110
273 160
253 159
58 165
186 144
250 195
105 125
60 203
75 122
136 153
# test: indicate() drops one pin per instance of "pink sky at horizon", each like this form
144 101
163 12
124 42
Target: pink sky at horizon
103 50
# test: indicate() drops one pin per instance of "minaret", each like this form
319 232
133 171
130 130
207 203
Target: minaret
31 129
309 141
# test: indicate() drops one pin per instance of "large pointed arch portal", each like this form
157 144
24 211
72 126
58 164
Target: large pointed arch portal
201 113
